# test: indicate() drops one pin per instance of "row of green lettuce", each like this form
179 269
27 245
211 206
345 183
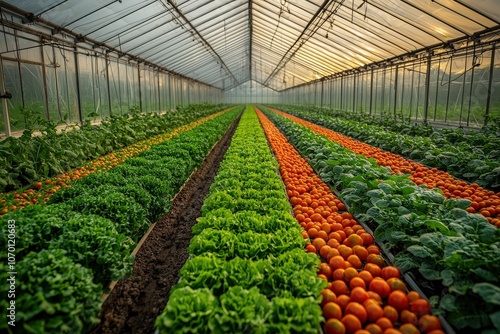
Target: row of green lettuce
67 250
29 158
487 139
248 271
461 159
453 254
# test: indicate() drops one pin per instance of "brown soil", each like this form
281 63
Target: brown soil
136 301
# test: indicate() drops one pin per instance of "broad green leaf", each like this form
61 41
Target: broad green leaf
429 272
495 320
419 251
489 292
447 303
439 226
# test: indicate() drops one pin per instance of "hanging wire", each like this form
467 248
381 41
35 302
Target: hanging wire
284 6
477 60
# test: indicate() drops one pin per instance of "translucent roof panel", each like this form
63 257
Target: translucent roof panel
278 44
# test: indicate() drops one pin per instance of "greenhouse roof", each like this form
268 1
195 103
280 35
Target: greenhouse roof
279 44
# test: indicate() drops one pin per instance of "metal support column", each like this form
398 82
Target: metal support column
427 86
139 84
490 83
78 90
371 91
396 89
108 84
5 105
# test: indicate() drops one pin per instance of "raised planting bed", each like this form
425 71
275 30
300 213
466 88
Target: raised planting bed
363 291
33 168
486 140
462 160
452 253
249 272
89 230
482 201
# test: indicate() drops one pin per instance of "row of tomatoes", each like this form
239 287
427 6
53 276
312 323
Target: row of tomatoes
483 201
363 294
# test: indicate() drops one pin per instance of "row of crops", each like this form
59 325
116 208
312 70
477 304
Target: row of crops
449 250
437 163
472 155
57 158
248 272
70 248
284 243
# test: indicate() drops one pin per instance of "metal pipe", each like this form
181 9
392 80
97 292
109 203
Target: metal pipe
4 101
490 84
427 86
471 84
371 91
108 84
396 89
78 91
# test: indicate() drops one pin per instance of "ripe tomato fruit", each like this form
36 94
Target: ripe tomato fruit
384 323
396 284
374 312
359 295
389 272
380 286
357 310
408 329
332 310
398 300
420 307
374 329
343 300
339 288
334 326
328 296
408 317
373 269
428 323
351 323
391 313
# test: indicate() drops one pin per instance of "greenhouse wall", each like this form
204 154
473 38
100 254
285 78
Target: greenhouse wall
464 87
251 92
70 82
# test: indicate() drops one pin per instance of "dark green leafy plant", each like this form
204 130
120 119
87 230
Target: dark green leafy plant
53 294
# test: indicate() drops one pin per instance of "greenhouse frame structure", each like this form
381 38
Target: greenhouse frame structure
426 61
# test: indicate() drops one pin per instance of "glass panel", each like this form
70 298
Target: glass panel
114 88
71 10
133 85
66 80
8 43
87 98
29 47
490 8
101 87
122 88
459 16
33 88
13 85
494 112
52 85
456 81
479 86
